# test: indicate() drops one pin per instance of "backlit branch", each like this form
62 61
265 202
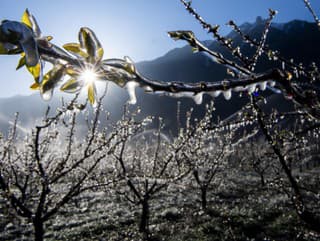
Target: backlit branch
79 65
214 30
314 15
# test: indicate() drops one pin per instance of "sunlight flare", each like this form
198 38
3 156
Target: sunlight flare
89 76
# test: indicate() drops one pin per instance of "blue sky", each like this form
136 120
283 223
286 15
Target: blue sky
137 28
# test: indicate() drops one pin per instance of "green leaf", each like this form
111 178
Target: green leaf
194 49
71 86
92 93
75 48
22 61
51 79
91 44
35 86
35 71
99 54
26 18
130 67
183 35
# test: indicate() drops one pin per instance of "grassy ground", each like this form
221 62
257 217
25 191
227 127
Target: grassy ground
240 209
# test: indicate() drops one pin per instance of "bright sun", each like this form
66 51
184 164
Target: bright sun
89 76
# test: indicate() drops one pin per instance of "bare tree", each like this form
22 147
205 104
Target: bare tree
296 81
260 158
207 154
43 172
312 219
147 167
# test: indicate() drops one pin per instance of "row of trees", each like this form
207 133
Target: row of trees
43 172
299 83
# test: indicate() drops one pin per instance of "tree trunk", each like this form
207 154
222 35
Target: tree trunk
204 198
263 183
143 227
311 219
38 229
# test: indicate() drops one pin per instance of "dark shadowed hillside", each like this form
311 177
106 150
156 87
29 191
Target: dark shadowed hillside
296 39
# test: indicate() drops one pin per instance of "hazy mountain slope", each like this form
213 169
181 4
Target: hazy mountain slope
296 39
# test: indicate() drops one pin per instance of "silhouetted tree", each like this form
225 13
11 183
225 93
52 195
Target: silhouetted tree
147 166
42 172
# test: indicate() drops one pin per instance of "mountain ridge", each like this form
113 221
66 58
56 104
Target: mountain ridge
180 64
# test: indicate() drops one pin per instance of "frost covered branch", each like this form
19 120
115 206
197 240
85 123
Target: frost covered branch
313 13
79 65
53 166
312 219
